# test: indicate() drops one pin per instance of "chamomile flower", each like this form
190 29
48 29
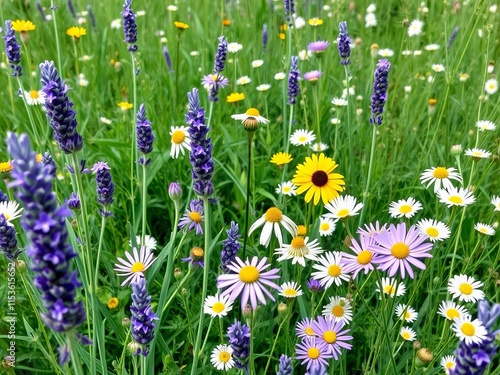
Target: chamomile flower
302 137
483 125
10 210
406 313
465 288
217 305
149 242
257 63
370 20
338 308
438 68
404 207
432 47
180 140
287 188
279 76
456 197
448 363
339 102
462 77
298 250
263 87
243 80
440 177
330 269
34 97
290 290
391 287
484 229
477 153
250 119
343 207
272 220
407 334
468 330
415 28
135 264
326 226
491 86
495 201
434 230
234 47
222 357
451 310
385 52
319 147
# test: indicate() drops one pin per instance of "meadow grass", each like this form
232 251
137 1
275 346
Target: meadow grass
435 98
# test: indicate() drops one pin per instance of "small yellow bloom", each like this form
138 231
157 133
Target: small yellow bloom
39 158
281 158
125 105
113 303
181 25
282 36
22 26
5 167
301 230
315 22
226 22
76 32
235 97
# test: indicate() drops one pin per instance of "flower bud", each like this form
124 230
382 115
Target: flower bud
178 274
282 309
247 311
175 192
424 357
125 322
133 347
20 266
456 150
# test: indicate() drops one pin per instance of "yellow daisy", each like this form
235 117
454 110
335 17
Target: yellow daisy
181 25
22 26
113 303
76 32
235 97
315 22
315 176
125 105
5 166
281 158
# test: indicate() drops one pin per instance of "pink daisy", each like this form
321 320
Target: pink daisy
363 258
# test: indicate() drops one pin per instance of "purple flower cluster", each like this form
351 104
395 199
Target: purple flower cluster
193 217
142 320
12 50
289 11
379 96
105 186
474 359
3 197
201 147
129 26
45 226
344 44
264 37
59 108
293 81
168 60
239 340
220 57
230 247
73 202
285 366
49 163
8 241
214 82
71 9
145 135
452 37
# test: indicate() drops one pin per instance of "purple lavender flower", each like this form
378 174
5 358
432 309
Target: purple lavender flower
49 249
452 37
168 60
145 135
71 9
193 217
73 202
344 44
474 359
49 163
293 81
220 57
314 285
12 50
317 369
214 82
285 366
3 197
264 38
142 320
40 10
318 47
230 247
105 186
59 108
129 26
201 147
289 11
8 241
379 96
239 339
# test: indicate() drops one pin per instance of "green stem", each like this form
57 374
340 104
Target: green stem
368 180
174 294
247 203
348 129
122 357
207 334
56 37
252 334
75 357
40 140
144 201
274 343
133 149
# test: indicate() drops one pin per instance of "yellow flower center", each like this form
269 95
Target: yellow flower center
338 311
334 270
405 208
406 335
365 257
324 226
218 307
432 232
34 94
468 329
178 137
330 337
290 292
224 357
298 242
457 199
343 212
483 230
466 288
38 158
249 274
273 215
302 138
400 250
449 365
6 215
440 172
389 289
301 230
313 353
197 252
113 303
195 216
309 331
452 313
138 267
407 315
252 112
286 189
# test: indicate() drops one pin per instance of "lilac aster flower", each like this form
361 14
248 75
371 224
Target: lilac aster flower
195 257
293 81
220 57
304 328
264 38
318 47
344 44
214 82
249 280
193 217
379 95
313 75
105 186
12 50
8 241
395 249
474 359
168 60
330 332
314 285
50 252
59 108
285 366
201 147
289 11
239 339
145 135
313 352
363 258
3 197
129 26
49 162
73 202
230 247
142 321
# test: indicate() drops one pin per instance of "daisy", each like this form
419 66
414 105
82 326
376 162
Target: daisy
249 281
250 119
263 87
339 102
417 52
304 55
495 201
312 352
463 77
290 290
298 250
468 330
217 305
149 242
484 229
391 287
362 260
135 265
438 68
180 139
196 257
330 269
370 20
281 158
243 80
272 220
234 47
415 28
465 288
316 177
386 52
304 328
477 153
456 197
448 363
10 210
279 76
222 357
257 63
371 8
343 207
408 334
286 188
116 24
483 125
214 82
318 46
434 230
406 313
193 217
302 137
34 97
404 207
330 332
326 226
338 308
398 250
319 147
491 86
451 310
432 47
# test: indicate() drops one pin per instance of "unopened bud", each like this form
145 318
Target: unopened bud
20 266
282 309
175 192
178 274
437 280
456 150
424 357
348 241
416 344
133 347
125 322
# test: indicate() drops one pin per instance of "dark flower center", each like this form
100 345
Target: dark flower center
319 178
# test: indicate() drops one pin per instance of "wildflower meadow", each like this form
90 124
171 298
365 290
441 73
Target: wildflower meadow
250 187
